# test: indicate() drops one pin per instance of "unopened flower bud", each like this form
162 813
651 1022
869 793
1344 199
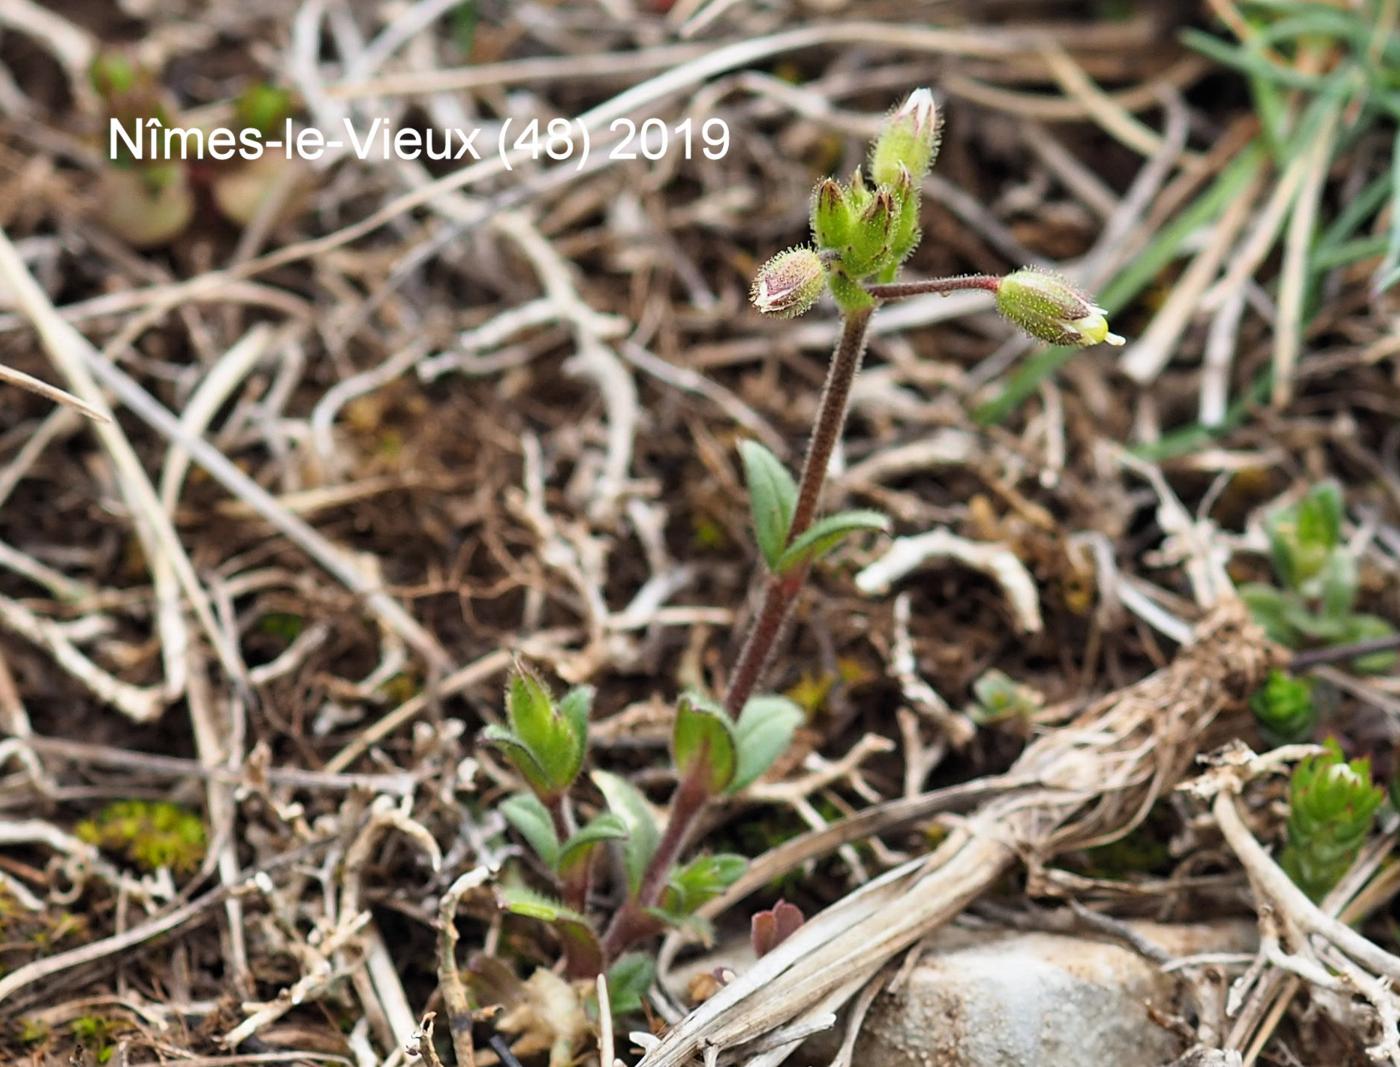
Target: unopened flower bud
1050 308
789 283
831 215
909 138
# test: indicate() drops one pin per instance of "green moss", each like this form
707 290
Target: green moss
95 1034
149 834
281 624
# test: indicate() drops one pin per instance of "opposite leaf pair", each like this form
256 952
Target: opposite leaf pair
773 500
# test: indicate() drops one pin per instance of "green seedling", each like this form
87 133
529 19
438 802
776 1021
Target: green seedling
1332 806
1314 600
147 203
1284 709
243 187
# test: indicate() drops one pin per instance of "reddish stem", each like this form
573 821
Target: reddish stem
633 922
692 796
898 290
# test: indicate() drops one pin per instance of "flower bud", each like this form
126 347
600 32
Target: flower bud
831 215
869 246
909 138
1050 308
789 283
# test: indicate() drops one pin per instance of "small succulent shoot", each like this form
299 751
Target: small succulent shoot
1284 709
771 927
544 740
1332 805
1314 599
789 283
240 187
147 203
998 698
1048 307
772 501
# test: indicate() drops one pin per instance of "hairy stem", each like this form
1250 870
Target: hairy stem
781 591
632 922
899 290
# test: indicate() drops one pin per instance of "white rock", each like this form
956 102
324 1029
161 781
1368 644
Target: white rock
1002 999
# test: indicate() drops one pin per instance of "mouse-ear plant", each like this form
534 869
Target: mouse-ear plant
862 231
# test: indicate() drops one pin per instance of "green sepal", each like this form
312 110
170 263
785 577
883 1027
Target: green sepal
869 246
849 295
825 534
762 734
772 498
627 803
703 742
831 215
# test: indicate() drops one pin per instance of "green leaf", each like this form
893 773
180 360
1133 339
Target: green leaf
628 804
825 534
584 952
1338 584
628 980
703 742
772 498
531 818
576 707
700 880
1365 628
530 709
556 741
761 735
579 848
1320 516
519 755
1271 610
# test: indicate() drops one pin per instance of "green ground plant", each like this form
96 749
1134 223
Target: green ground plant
1332 806
1314 599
